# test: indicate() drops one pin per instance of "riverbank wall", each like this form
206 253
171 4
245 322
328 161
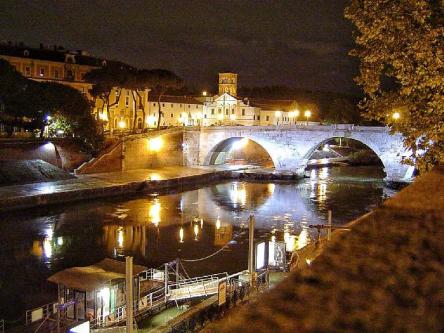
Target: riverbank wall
85 188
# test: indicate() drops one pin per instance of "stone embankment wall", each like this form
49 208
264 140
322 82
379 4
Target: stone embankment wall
385 275
59 152
135 152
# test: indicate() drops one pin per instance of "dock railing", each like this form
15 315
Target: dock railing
41 313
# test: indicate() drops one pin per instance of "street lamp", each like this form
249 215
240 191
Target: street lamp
396 116
307 115
277 114
204 93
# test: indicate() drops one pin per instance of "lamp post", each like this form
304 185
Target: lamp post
277 114
307 115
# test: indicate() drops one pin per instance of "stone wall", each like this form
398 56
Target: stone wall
62 153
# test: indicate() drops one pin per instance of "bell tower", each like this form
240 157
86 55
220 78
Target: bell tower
228 83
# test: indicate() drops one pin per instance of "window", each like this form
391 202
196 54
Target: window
243 112
154 104
258 117
197 106
28 71
180 105
232 111
189 106
117 92
56 73
163 104
268 118
82 76
226 112
172 116
69 75
171 105
205 116
212 111
42 71
127 100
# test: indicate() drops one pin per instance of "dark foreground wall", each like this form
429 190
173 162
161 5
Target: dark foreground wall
385 275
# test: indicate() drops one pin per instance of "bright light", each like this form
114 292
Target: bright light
296 113
122 124
396 115
48 118
154 212
278 114
217 224
104 294
151 120
204 93
220 117
233 117
60 132
325 148
199 115
155 144
181 234
196 232
289 241
60 241
120 237
103 116
307 114
303 239
239 144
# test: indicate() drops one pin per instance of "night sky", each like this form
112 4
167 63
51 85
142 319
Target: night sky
298 43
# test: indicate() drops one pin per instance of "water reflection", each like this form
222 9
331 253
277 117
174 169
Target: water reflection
193 224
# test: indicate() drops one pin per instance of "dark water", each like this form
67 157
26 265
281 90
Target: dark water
158 228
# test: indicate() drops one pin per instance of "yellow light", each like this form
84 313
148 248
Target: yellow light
307 114
296 113
122 124
155 144
396 115
196 232
181 234
217 224
103 116
120 237
204 93
277 114
233 117
154 212
201 223
239 144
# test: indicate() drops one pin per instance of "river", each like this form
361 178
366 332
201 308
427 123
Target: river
157 228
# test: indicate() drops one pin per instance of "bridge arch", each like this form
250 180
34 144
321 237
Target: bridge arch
363 145
253 151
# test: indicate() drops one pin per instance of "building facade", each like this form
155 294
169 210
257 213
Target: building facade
69 68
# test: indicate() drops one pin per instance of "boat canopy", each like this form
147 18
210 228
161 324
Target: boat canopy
90 278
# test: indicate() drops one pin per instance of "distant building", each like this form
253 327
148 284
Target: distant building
225 108
69 68
228 83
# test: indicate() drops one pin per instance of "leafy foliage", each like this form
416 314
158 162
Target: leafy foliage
400 45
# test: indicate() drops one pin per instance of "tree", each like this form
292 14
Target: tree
340 111
26 103
400 45
160 81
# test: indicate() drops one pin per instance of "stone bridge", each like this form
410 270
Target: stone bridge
288 147
291 147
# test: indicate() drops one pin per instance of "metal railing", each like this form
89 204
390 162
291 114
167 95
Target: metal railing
152 274
143 304
40 313
195 287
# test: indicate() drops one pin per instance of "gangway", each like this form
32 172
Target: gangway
195 287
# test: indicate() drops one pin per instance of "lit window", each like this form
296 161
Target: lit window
232 111
28 71
268 118
42 71
172 116
126 100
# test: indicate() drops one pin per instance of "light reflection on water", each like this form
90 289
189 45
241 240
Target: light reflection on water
193 224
